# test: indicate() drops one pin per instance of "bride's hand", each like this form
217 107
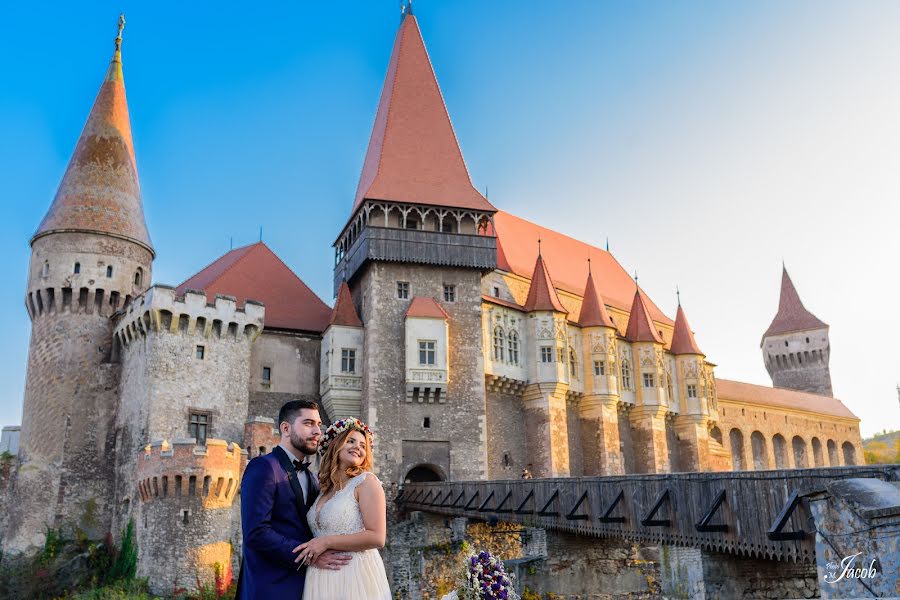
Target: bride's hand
308 552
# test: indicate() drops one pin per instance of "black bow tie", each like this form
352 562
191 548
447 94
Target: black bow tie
301 466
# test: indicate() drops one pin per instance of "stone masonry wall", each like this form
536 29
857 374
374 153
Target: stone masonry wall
294 362
506 436
456 429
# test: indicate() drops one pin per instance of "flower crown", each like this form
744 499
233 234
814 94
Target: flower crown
339 427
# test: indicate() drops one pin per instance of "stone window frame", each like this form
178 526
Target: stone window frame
195 412
513 343
691 390
77 269
649 378
427 353
626 375
499 344
599 368
403 290
109 271
449 292
267 375
200 351
45 270
348 360
547 354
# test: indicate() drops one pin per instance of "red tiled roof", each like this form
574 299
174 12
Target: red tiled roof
640 325
683 338
517 250
344 312
792 315
100 191
501 302
428 308
738 391
541 294
413 153
254 272
593 311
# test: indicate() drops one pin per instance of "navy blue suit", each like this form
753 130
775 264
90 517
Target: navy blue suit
274 523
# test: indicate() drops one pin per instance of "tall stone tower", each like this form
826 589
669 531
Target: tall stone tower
90 256
795 346
413 252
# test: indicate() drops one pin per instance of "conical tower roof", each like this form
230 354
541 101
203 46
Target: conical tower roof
640 325
344 313
792 315
593 311
100 192
542 295
682 338
413 153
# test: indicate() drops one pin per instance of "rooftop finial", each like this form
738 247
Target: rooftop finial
589 264
405 8
119 34
635 277
607 243
678 294
539 246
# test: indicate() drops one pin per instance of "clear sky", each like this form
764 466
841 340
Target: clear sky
707 140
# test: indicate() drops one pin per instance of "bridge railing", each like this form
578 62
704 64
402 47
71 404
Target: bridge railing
760 514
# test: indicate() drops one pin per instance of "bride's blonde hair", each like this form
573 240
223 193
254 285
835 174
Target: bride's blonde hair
329 465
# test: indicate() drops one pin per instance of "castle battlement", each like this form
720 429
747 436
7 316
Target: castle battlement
184 469
160 309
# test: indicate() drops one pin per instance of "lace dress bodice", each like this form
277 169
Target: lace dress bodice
340 514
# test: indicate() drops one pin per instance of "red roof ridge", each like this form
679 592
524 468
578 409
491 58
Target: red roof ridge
683 341
541 293
344 313
242 250
640 324
593 311
428 308
740 391
792 315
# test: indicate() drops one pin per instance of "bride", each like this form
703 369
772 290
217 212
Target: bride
349 516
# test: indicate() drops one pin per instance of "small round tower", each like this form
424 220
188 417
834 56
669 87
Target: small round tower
90 256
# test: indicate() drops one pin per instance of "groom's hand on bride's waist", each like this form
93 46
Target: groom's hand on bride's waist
332 560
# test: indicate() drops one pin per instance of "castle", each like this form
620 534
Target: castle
475 343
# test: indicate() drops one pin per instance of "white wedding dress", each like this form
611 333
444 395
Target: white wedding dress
363 578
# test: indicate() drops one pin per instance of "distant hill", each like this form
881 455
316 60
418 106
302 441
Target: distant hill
882 448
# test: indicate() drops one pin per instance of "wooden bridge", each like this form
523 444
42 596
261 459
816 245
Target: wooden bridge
760 514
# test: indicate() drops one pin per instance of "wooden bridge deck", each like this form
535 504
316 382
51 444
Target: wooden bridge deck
758 514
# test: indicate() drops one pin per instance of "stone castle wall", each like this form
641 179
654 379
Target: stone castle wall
456 438
799 361
293 360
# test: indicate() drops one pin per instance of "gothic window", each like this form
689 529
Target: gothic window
449 293
514 347
348 360
198 426
649 380
669 389
109 271
626 374
546 354
200 352
573 365
77 268
403 290
499 341
599 368
426 352
138 277
267 375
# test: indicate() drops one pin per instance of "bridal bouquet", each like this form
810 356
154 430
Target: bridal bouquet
485 579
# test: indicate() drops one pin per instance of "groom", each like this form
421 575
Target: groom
276 492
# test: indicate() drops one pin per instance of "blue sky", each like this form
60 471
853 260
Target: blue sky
707 140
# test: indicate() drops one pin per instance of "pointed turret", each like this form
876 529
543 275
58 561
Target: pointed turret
413 153
100 192
344 313
682 338
792 315
542 295
640 325
593 311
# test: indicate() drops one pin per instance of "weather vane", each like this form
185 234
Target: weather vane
119 34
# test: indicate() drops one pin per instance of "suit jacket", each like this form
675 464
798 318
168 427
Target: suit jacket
274 523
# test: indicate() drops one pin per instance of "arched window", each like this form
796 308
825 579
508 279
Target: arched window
626 374
849 453
46 270
737 449
499 340
779 445
77 269
573 364
760 451
716 434
514 347
138 276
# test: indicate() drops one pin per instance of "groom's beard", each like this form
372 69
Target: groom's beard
307 447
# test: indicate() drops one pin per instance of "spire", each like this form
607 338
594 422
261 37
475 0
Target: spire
344 312
640 325
593 312
100 192
542 295
413 154
792 315
683 339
